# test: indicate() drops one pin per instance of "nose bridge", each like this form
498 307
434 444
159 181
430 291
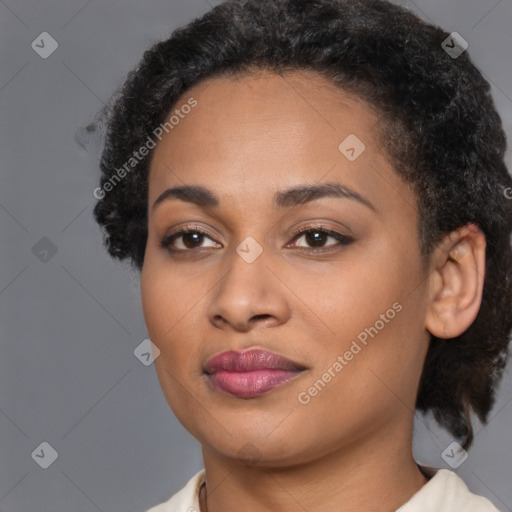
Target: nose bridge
248 288
246 277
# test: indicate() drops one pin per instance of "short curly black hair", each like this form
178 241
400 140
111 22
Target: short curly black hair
440 129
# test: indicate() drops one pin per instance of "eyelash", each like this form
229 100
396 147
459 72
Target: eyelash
343 240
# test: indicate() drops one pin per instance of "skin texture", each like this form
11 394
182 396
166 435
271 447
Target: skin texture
248 138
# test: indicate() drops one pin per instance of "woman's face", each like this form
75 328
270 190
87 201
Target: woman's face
346 308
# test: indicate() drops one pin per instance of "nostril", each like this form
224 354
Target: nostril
257 318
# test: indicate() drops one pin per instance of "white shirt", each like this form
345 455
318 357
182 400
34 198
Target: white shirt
444 492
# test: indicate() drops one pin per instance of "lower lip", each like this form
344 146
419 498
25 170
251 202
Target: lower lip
250 384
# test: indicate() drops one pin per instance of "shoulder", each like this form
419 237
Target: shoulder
185 500
445 492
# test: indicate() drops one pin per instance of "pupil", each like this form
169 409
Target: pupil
187 238
314 238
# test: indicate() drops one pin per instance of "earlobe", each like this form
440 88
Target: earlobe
456 282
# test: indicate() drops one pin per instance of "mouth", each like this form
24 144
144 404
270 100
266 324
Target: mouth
250 373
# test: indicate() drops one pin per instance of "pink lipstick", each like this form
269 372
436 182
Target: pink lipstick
250 373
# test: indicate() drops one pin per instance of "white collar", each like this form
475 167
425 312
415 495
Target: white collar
444 492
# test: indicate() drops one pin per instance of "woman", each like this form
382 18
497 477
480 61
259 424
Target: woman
314 194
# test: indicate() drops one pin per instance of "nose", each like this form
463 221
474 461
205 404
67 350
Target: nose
248 295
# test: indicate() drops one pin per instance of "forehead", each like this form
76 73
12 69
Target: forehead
271 110
266 131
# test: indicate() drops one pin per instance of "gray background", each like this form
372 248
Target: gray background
69 325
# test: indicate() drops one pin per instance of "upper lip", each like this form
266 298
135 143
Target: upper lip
250 360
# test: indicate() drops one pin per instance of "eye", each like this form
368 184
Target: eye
186 239
315 238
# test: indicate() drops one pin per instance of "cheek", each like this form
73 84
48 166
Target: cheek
351 298
174 311
164 302
363 384
375 318
169 327
153 304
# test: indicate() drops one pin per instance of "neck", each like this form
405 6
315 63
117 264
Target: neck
380 474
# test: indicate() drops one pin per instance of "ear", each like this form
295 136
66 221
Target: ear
456 282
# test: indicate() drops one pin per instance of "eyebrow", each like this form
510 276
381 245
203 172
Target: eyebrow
294 196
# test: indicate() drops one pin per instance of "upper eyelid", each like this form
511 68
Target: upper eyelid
302 230
296 233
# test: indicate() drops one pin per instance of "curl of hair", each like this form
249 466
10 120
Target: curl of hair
439 127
